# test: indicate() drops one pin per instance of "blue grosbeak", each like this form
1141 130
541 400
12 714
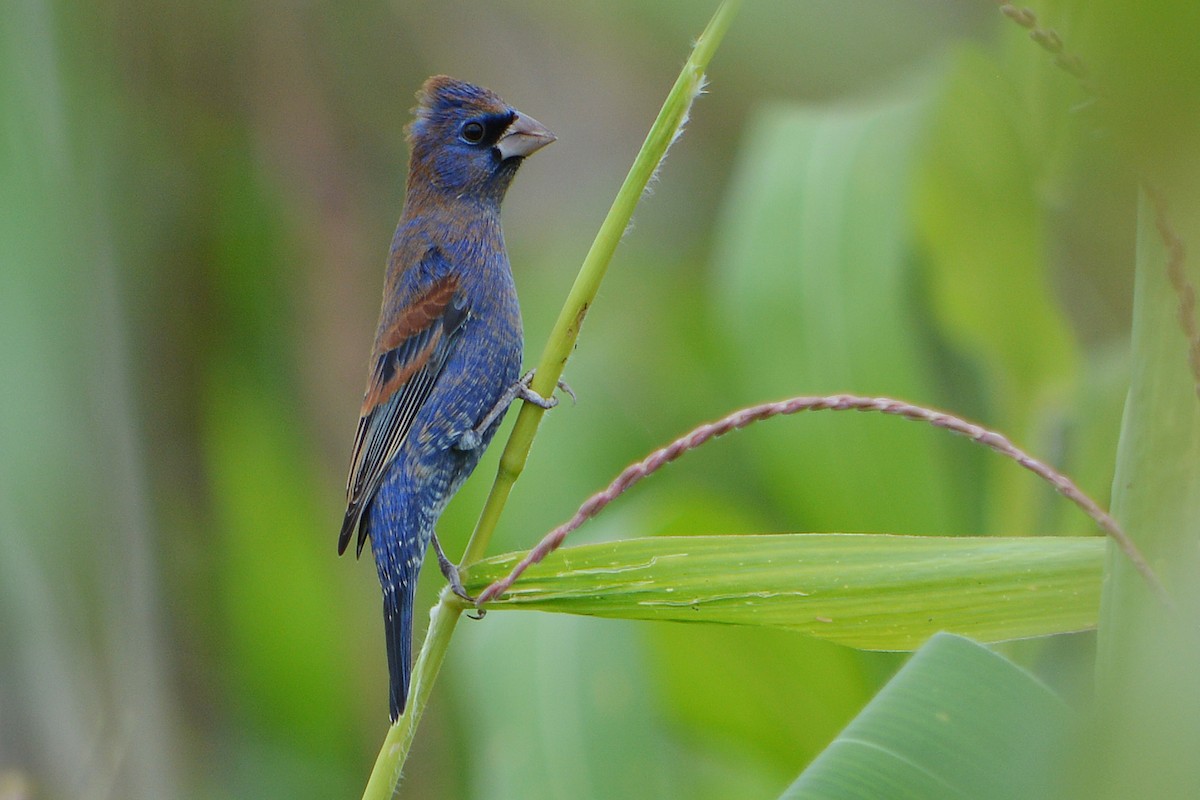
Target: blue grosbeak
447 352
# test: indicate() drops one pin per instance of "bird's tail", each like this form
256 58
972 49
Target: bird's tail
399 565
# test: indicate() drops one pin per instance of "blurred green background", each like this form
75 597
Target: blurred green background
195 206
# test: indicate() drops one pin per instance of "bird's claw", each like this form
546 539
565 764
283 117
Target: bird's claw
566 387
524 392
453 577
530 396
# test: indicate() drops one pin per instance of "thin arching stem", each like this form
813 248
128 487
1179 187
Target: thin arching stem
839 402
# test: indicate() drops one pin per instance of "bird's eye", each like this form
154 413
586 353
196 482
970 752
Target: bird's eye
472 133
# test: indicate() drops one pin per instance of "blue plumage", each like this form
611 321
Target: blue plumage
448 346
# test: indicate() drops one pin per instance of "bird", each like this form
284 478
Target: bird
445 363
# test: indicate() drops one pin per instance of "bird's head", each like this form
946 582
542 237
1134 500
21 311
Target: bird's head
468 142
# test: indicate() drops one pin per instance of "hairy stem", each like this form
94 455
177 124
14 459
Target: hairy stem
570 320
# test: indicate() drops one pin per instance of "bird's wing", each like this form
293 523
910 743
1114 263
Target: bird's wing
410 356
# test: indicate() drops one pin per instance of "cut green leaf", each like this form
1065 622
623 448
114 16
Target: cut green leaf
870 591
921 737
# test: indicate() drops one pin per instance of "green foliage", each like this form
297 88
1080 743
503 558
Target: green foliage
813 255
275 654
195 210
943 728
983 228
562 720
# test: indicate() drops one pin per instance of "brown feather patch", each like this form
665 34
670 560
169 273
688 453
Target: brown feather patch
380 392
420 314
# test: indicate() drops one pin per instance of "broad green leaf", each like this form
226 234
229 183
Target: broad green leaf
813 267
870 591
957 722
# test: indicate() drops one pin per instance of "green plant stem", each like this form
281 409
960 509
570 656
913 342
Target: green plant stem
1156 488
390 761
566 329
1146 729
667 126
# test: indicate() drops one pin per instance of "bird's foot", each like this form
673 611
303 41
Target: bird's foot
473 438
522 390
454 578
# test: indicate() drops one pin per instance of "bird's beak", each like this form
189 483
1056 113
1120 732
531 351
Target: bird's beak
524 137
